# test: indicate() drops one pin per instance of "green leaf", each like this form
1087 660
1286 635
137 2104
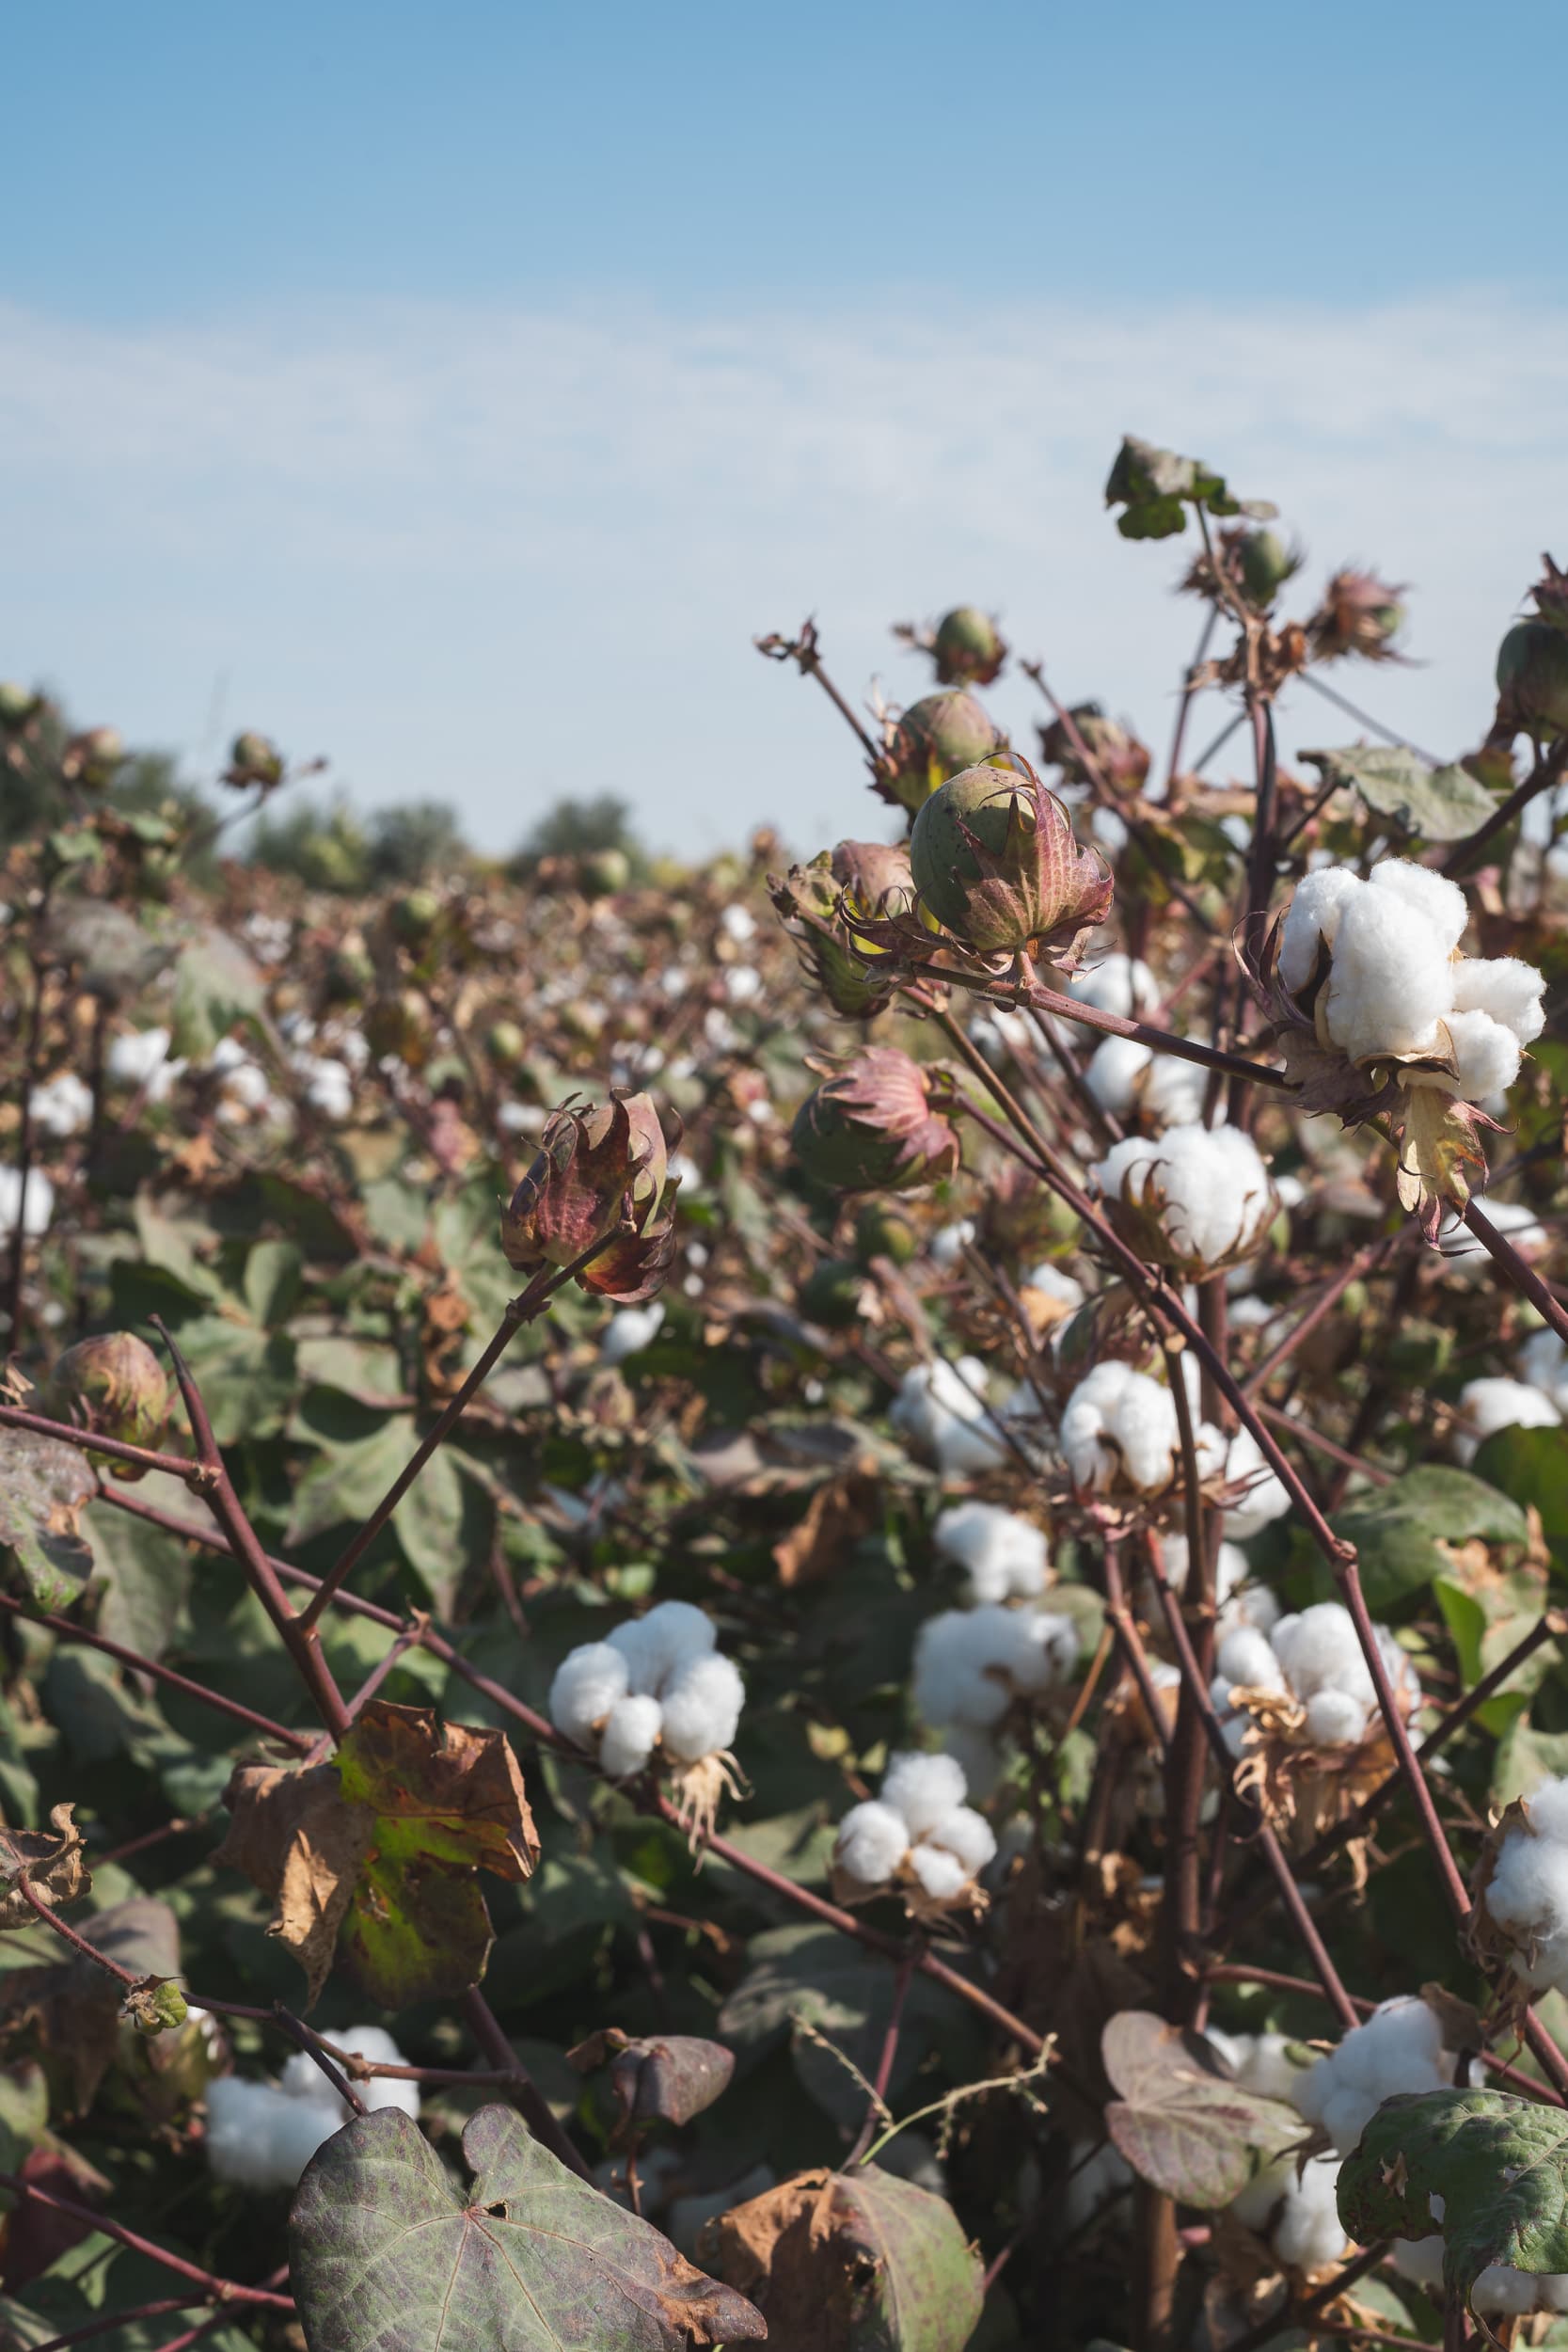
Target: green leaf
271 1278
44 1484
1434 804
246 1376
389 2253
855 2262
1531 1465
1182 2120
1156 487
1401 1530
1499 2163
146 1574
215 984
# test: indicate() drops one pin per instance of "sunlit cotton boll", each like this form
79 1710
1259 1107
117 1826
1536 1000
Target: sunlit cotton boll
702 1702
1543 1362
947 1245
1498 2290
588 1683
140 1059
302 2075
630 1735
34 1209
873 1840
630 1331
943 1408
1527 1894
1505 988
919 1821
653 1646
1121 1425
258 2137
1118 983
921 1788
1213 1190
1127 1078
62 1107
1261 1495
1259 2061
970 1665
1391 980
1007 1556
1399 2048
1488 1405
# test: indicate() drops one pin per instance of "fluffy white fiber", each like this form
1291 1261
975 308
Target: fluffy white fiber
1498 2290
630 1331
1125 1077
263 2134
1543 1362
1007 1557
1208 1185
1261 1496
656 1683
1315 1657
34 1209
920 1823
1120 1424
948 1244
970 1664
1398 985
1486 1406
1527 1894
1399 2048
943 1408
61 1107
1300 2216
1118 983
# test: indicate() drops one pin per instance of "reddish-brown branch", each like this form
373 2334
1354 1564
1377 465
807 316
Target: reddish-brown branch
213 2288
66 1632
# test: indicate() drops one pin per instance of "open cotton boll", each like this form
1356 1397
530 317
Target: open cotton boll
873 1840
653 1646
140 1059
630 1331
942 1408
1241 1600
1119 983
1506 988
1543 1361
630 1735
921 1788
1398 2048
303 2078
970 1665
967 1836
1172 1094
1246 1658
1301 2215
1439 902
33 1207
1125 1077
1486 1055
1314 913
261 2137
702 1702
940 1874
947 1246
1391 980
588 1683
1497 2291
1333 1719
1120 1424
1489 1405
1259 2061
1206 1184
1527 1894
62 1107
1113 1071
1007 1556
1262 1498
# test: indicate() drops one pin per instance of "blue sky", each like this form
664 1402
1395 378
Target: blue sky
453 390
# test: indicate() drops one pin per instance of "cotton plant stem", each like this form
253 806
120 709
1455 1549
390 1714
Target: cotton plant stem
1516 1268
1120 1618
1181 1917
802 651
1190 690
1547 772
1366 1262
1214 1057
1364 718
65 1631
113 1449
876 2105
213 2288
160 2307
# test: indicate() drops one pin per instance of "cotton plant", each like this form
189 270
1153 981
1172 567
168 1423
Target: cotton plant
263 2134
1497 1403
1304 1679
656 1693
919 1838
1198 1199
1384 1013
1007 1557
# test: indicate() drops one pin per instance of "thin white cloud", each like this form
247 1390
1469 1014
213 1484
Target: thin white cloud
495 556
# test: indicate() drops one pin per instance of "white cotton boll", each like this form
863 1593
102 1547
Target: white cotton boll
1399 2048
1259 2061
1333 1719
1263 1498
967 1836
941 1407
34 1209
1103 1413
588 1683
1321 899
303 2078
872 1842
948 1244
1065 1289
1528 1892
743 986
702 1702
630 1735
653 1646
1246 1660
1489 1405
1213 1187
1114 1069
940 1874
1439 902
1392 979
329 1087
970 1664
62 1107
1506 988
738 924
1145 1428
921 1788
630 1331
135 1060
258 2137
1309 2234
1319 1650
1052 1652
1543 1361
1005 1555
1241 1600
1485 1054
1173 1093
1119 983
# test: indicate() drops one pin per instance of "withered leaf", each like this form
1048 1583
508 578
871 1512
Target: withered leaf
662 2078
1182 2120
389 2253
293 1837
44 1484
69 2010
49 1859
852 2262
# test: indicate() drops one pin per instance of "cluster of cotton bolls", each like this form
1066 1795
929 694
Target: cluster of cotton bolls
657 1685
919 1832
1205 1187
1294 2206
1313 1656
263 2134
1007 1557
1526 1892
1119 1431
1396 984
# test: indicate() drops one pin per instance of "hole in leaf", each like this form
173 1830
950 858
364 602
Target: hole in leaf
497 2212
